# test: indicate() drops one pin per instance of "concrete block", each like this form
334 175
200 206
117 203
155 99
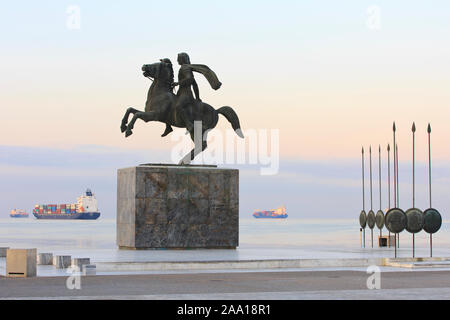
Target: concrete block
62 262
45 259
3 251
170 206
21 262
80 262
386 241
89 270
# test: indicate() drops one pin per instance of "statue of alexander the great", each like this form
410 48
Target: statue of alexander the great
182 109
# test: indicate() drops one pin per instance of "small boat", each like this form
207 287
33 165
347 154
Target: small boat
17 213
279 213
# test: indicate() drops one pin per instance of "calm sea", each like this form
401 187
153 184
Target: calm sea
88 235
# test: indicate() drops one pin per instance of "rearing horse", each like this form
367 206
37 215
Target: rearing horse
160 106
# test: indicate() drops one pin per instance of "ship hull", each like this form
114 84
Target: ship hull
269 217
72 216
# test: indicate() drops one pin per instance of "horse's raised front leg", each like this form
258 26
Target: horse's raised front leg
123 126
145 116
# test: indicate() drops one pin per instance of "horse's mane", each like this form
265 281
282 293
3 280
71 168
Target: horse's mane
170 78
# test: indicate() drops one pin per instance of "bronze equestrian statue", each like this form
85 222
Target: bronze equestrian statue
180 110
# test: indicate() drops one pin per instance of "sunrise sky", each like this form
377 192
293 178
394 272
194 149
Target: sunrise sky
329 75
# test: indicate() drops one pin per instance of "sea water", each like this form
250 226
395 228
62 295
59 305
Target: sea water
88 235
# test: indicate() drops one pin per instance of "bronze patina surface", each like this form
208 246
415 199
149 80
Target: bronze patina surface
182 109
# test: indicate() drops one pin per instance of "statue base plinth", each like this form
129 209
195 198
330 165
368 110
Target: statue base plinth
177 207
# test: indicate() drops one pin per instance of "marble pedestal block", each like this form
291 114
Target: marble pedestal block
177 207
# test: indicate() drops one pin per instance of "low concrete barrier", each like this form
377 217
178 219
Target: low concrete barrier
424 262
45 259
89 270
62 262
237 264
80 262
21 263
3 251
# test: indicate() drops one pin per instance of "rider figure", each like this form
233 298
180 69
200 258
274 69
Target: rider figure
184 93
186 80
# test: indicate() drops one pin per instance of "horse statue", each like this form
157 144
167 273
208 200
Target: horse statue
160 106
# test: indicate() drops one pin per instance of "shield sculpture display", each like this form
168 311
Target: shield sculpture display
371 219
395 220
362 219
379 219
432 220
414 220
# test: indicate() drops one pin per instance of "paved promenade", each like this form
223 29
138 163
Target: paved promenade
236 285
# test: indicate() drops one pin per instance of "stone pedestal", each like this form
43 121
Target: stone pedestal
178 207
21 262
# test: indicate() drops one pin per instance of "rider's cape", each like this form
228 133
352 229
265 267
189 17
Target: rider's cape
207 72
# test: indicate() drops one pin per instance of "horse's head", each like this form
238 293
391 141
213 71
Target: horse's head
151 70
159 71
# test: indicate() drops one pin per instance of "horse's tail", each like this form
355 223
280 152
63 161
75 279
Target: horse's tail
232 117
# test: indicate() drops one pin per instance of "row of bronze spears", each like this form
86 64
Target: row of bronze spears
396 220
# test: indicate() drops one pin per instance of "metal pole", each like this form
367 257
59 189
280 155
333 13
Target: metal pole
370 159
371 204
363 190
398 182
414 180
398 193
431 245
371 235
379 180
362 157
429 181
389 184
395 176
429 161
395 246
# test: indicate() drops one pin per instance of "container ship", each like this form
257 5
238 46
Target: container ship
279 213
16 213
85 209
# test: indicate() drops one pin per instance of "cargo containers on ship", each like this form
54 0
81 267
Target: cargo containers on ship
279 213
86 208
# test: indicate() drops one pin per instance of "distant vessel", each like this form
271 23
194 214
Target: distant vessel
17 213
85 209
279 213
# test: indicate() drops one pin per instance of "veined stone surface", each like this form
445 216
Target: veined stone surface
162 206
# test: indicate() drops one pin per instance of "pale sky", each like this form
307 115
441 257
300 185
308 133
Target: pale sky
314 70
